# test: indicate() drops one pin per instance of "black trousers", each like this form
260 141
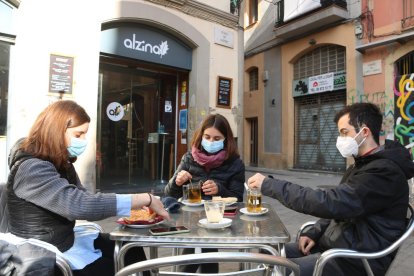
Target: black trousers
204 268
104 266
307 263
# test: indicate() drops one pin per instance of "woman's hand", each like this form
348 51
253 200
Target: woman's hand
147 200
157 206
209 187
182 177
305 245
256 181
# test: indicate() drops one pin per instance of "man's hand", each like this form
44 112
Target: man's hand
256 181
182 177
305 245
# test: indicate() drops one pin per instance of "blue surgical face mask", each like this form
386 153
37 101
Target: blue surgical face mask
77 146
212 147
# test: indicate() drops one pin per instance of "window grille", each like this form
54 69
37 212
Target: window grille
254 79
324 59
405 65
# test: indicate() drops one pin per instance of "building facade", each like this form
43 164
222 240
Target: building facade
146 71
386 45
305 60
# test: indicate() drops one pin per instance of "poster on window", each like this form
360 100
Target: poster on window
321 83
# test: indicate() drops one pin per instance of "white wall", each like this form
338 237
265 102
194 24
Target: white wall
60 27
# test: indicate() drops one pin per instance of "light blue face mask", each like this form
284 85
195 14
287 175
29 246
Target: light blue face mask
77 146
212 147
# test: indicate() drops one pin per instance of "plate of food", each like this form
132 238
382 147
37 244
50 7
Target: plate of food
142 218
188 203
228 200
262 212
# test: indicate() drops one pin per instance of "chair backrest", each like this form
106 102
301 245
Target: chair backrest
269 263
345 253
4 215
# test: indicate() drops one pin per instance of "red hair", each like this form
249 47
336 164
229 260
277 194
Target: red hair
46 139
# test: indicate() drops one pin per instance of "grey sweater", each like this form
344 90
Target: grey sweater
38 182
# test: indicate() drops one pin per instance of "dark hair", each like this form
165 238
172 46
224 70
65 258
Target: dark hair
46 139
220 123
363 114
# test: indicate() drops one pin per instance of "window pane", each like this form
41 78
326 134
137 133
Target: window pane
254 79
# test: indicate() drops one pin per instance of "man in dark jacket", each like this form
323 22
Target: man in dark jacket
365 212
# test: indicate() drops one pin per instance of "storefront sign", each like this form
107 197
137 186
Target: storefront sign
115 111
60 74
224 92
147 44
302 87
223 37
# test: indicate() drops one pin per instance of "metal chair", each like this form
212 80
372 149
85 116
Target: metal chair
364 256
268 264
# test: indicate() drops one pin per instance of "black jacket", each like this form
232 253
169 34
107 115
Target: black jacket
366 212
229 177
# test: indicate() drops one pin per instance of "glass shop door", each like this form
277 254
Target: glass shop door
136 128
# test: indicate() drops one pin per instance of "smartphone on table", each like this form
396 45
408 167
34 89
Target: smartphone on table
230 211
161 231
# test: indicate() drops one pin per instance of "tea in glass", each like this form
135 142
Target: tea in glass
194 192
254 201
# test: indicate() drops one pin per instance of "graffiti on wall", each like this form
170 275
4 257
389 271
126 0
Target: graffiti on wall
386 105
404 110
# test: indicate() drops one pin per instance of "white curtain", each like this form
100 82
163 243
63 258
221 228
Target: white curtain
294 8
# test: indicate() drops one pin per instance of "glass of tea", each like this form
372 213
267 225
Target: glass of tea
254 200
194 192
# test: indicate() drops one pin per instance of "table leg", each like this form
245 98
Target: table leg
245 266
153 252
175 252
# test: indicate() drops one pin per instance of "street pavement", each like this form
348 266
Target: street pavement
403 263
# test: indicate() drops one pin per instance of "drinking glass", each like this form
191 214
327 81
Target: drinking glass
194 192
214 210
254 200
185 192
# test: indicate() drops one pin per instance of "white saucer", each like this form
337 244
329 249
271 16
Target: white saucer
244 211
225 222
187 203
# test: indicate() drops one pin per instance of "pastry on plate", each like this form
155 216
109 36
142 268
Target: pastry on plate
227 200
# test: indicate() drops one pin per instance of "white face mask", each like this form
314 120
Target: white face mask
348 146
